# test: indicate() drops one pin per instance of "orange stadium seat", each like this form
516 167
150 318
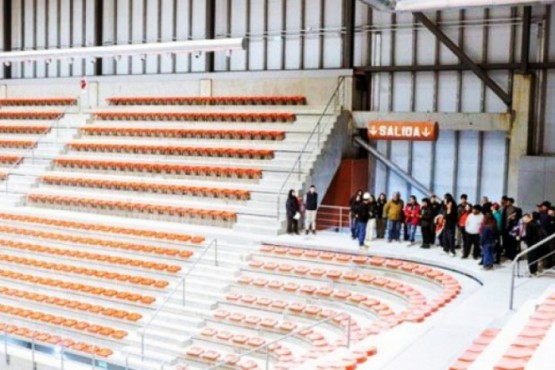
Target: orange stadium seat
197 117
37 101
213 100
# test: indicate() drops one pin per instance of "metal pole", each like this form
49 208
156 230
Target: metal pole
215 252
93 361
126 361
62 358
183 295
512 292
33 354
6 346
340 220
349 333
267 357
142 345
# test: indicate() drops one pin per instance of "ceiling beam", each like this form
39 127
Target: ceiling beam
463 57
450 67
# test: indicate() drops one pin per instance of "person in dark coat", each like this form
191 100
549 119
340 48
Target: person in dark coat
488 238
450 217
427 224
362 216
435 206
353 204
533 234
311 208
292 210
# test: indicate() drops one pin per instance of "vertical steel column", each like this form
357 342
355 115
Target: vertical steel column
7 28
483 93
144 38
159 36
98 32
302 34
46 32
525 42
437 61
130 38
459 106
228 30
283 54
83 34
248 33
265 37
115 36
542 81
390 104
190 33
414 61
35 34
349 16
210 32
59 36
174 34
321 34
22 29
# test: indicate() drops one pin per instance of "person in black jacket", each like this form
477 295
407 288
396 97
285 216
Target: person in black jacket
292 210
311 204
353 204
533 234
362 214
450 216
427 223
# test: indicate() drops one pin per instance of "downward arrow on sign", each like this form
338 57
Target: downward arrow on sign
373 130
426 132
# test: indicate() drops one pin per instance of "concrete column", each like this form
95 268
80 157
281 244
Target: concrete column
523 93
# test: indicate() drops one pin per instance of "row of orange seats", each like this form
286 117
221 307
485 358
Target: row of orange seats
413 296
42 337
99 243
37 101
173 150
100 330
161 168
195 191
19 144
71 304
145 208
211 356
148 265
198 117
185 238
24 130
212 100
184 133
31 115
69 269
478 346
9 159
77 287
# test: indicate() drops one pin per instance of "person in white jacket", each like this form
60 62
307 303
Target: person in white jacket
472 228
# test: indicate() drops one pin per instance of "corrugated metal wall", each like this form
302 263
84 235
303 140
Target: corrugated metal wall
310 34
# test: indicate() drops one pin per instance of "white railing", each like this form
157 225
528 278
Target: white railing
333 218
327 116
182 283
265 348
515 265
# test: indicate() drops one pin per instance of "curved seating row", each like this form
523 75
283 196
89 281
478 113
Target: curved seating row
37 101
18 144
70 304
184 238
88 256
19 331
9 159
24 129
67 323
161 168
183 133
464 361
145 187
89 204
211 356
212 100
76 270
195 117
99 243
172 150
31 115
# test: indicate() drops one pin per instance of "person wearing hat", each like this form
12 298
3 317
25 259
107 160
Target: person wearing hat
362 214
472 230
393 211
533 234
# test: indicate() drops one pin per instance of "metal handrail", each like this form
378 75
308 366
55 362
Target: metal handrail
315 131
292 334
516 262
25 154
181 283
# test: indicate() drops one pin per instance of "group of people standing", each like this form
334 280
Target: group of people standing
301 211
488 231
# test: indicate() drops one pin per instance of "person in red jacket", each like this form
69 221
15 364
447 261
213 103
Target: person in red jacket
412 218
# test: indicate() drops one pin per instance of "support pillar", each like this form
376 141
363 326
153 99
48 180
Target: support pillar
523 107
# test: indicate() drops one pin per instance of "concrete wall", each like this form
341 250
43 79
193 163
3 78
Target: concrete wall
536 181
